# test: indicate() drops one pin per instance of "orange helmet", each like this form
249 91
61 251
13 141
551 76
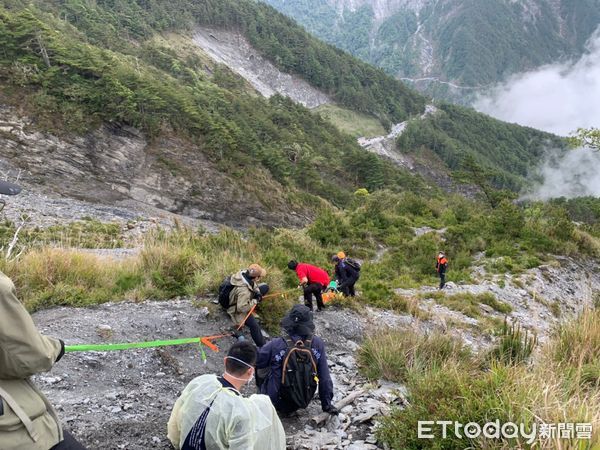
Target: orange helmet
341 255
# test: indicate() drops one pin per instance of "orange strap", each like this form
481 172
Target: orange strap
243 322
207 340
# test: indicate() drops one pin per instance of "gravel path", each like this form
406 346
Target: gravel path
122 400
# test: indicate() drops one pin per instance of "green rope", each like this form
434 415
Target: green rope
149 344
129 345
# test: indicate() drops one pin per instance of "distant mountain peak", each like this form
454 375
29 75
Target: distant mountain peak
449 48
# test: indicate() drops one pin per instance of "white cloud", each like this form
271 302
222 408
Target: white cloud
558 98
574 174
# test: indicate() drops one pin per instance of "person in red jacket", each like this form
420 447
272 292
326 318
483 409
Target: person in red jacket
313 280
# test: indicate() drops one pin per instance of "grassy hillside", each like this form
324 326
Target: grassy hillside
436 368
191 262
455 132
114 24
351 122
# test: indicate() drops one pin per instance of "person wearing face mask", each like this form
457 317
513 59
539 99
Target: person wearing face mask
211 413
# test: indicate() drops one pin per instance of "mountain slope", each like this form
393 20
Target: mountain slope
74 67
466 43
76 84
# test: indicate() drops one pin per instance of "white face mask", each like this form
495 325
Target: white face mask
246 380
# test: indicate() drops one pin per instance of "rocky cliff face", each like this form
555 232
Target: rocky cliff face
382 9
235 52
118 166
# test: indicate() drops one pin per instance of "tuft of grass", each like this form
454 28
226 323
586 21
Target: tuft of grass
394 355
586 242
561 387
272 310
596 299
518 283
578 342
487 298
590 375
515 346
468 303
50 277
353 303
555 308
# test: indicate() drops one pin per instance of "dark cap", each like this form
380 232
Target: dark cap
299 321
292 265
7 188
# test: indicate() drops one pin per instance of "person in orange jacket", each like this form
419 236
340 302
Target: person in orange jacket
441 265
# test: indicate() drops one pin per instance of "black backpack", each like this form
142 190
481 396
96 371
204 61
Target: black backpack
353 263
224 291
299 379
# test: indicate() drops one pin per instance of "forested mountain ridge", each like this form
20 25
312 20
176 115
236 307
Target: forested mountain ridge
76 66
451 47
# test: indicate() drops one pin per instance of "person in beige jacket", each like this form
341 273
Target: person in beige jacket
27 420
245 293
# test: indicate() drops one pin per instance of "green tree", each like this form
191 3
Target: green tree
586 137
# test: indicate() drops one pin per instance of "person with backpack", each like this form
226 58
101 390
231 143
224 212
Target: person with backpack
27 420
313 280
347 273
290 369
211 413
441 266
239 293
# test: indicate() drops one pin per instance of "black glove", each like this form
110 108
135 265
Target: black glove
331 409
258 298
236 334
62 351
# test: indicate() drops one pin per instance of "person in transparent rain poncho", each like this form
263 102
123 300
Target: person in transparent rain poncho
211 413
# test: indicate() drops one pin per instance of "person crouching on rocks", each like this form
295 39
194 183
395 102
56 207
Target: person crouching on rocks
244 292
291 368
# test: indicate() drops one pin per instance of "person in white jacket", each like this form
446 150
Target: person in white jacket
212 414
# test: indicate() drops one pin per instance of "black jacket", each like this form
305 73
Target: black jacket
346 274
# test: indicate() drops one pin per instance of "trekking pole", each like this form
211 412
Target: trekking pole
276 294
243 322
